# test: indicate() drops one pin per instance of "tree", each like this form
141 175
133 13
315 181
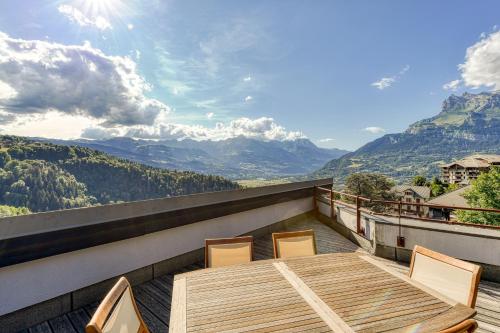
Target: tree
43 176
13 211
452 187
484 193
4 158
370 185
419 181
437 187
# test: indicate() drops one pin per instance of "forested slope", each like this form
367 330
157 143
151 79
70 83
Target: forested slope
45 176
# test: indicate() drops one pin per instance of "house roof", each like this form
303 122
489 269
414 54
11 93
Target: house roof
422 191
453 199
476 161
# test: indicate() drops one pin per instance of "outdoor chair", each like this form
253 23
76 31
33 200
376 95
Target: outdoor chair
228 251
454 278
294 244
467 326
118 312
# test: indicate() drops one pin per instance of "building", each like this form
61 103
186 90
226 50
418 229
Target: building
468 168
412 194
450 199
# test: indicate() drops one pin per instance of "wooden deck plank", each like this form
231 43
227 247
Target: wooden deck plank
161 311
91 308
41 328
79 319
155 325
61 325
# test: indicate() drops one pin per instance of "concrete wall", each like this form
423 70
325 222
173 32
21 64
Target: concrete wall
36 281
346 216
468 243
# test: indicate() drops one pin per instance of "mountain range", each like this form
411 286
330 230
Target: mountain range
467 124
235 158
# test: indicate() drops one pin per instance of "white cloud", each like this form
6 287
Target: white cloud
452 85
77 80
247 79
325 140
261 128
137 54
76 16
482 63
52 124
206 104
404 70
6 91
384 82
229 39
387 82
130 26
248 98
210 115
374 129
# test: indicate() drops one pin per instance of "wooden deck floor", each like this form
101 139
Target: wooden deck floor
154 297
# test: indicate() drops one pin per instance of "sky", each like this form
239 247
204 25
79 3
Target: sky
340 73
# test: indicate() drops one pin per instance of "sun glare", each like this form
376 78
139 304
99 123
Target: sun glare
106 8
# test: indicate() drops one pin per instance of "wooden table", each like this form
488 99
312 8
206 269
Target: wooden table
339 292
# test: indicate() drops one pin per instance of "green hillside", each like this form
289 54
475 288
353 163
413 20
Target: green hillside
45 176
467 124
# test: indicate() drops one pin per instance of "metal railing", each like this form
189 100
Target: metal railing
395 209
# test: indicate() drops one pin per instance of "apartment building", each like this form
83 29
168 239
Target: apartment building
467 169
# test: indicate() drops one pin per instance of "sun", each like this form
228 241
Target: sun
106 8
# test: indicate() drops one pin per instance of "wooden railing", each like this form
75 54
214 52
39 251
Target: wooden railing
336 197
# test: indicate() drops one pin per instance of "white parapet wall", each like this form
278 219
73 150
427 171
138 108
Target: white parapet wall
472 243
346 216
35 281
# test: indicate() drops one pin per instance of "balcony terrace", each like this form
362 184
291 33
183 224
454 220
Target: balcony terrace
57 266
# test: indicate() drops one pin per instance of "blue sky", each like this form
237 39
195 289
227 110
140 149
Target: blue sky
341 73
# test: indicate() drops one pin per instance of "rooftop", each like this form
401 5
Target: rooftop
77 255
475 161
155 307
454 198
422 191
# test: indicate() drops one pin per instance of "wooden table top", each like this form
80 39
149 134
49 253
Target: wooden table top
339 292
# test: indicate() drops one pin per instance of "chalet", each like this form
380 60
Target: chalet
410 195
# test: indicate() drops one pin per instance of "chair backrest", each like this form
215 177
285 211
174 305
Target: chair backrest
467 326
118 312
228 251
451 277
294 244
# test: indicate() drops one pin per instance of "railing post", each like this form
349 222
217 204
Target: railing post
315 204
358 215
332 206
400 241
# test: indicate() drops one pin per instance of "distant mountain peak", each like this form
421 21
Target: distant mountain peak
238 157
457 111
466 125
